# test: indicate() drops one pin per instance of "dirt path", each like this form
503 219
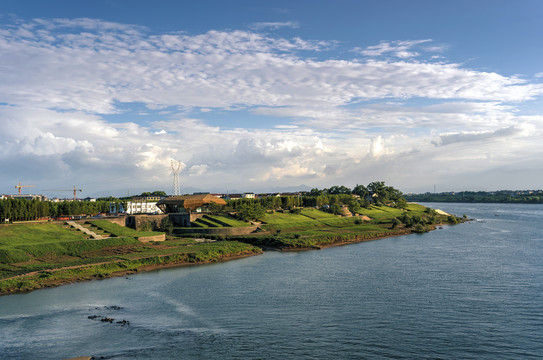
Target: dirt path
78 267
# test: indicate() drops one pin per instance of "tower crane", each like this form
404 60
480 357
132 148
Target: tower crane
19 187
75 190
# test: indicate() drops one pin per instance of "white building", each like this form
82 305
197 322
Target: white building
142 207
248 195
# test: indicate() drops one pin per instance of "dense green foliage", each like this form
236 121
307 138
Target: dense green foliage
502 196
24 210
376 193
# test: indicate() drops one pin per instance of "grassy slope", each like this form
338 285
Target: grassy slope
229 220
219 221
314 228
118 230
41 254
28 234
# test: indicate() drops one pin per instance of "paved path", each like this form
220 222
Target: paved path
85 230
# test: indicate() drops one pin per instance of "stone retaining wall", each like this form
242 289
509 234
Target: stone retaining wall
152 238
121 220
144 222
217 231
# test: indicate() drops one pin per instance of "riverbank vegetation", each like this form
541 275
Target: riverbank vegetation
41 255
313 228
34 254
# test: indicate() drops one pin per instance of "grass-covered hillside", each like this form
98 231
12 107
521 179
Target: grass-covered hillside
219 220
34 255
118 230
309 227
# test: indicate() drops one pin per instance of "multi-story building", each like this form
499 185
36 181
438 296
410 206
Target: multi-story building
141 206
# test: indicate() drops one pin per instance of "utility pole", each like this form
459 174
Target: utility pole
176 166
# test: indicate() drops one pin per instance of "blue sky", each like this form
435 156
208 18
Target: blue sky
264 96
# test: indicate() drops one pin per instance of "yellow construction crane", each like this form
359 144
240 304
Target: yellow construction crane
19 187
75 190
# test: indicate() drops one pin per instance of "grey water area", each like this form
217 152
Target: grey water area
469 291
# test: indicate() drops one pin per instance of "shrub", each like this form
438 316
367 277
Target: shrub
419 228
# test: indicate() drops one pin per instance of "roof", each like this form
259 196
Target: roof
188 202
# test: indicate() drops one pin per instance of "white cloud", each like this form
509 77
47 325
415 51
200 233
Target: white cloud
343 121
274 25
447 139
198 169
91 71
377 147
401 49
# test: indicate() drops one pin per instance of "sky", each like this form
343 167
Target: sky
268 96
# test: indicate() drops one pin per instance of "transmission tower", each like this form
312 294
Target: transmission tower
176 166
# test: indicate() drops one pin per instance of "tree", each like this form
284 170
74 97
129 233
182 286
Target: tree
354 206
166 225
378 192
406 219
336 190
361 191
250 211
158 193
335 209
315 192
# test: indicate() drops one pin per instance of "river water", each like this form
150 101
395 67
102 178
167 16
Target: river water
473 290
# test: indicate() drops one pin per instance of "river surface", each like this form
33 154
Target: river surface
469 291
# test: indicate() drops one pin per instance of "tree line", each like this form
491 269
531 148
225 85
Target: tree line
25 210
375 193
502 196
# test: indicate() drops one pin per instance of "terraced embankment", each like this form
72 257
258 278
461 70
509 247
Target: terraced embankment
43 255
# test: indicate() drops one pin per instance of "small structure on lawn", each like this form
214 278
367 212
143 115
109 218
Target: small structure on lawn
186 208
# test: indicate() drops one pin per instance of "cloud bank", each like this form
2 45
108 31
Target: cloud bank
316 120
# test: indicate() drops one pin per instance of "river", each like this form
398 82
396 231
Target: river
473 290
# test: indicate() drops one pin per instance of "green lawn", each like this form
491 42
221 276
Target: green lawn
100 264
317 214
44 248
118 230
227 219
28 234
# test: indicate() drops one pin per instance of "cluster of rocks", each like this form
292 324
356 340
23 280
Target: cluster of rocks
114 307
108 319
